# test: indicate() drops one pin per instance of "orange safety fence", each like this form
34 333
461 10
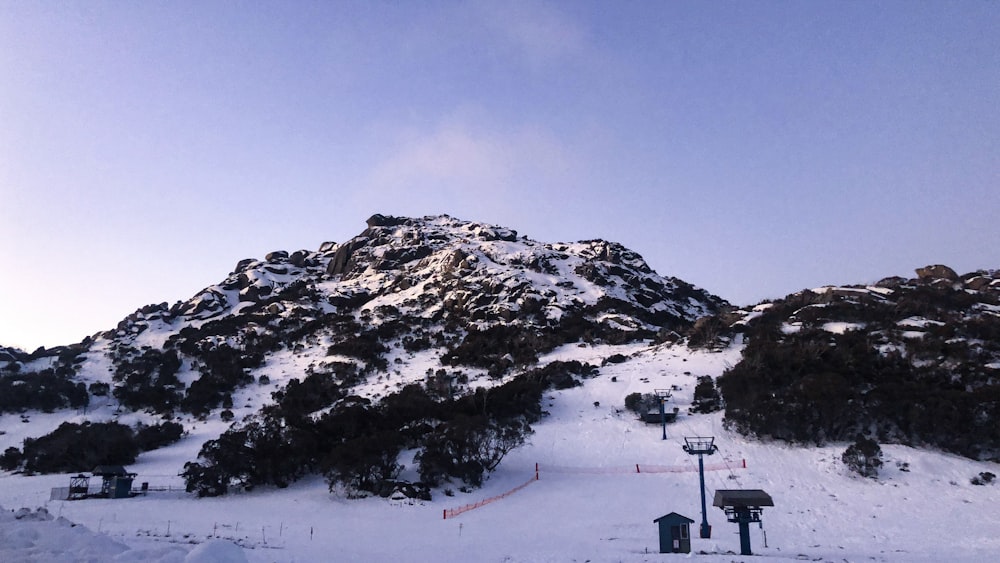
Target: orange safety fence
453 512
641 468
637 468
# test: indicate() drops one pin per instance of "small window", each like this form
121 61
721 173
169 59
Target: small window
684 531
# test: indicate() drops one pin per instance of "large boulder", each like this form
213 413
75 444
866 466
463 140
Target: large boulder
277 256
937 272
379 220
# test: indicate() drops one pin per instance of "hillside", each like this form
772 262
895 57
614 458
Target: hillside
912 361
588 505
330 397
310 355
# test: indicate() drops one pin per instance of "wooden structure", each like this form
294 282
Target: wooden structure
742 507
675 533
116 481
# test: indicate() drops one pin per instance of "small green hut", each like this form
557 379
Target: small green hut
675 533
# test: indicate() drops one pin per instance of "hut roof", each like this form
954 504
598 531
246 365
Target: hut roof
110 471
674 517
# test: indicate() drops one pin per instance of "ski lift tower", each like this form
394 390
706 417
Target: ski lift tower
662 395
701 446
743 507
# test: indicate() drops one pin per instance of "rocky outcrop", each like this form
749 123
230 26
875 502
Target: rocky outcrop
937 272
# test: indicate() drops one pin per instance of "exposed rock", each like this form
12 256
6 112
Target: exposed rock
298 258
276 256
280 270
379 220
978 283
891 282
242 265
342 258
937 272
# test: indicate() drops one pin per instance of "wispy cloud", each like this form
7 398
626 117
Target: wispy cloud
458 159
540 31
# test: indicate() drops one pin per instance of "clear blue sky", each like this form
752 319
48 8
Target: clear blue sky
750 148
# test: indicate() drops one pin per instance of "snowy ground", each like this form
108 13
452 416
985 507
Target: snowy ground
594 508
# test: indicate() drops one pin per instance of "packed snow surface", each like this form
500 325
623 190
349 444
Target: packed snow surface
589 503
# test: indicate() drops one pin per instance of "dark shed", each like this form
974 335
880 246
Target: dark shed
117 482
675 533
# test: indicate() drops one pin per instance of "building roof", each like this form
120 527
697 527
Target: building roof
742 497
110 470
674 517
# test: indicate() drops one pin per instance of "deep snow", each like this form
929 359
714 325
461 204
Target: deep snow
603 512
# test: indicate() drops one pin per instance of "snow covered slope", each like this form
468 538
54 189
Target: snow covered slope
589 504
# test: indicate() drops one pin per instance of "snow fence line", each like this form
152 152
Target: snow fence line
453 512
637 468
642 468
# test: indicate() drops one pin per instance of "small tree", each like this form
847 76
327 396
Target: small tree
864 457
11 459
468 447
366 463
706 396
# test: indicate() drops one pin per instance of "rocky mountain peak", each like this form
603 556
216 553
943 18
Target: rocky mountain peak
462 294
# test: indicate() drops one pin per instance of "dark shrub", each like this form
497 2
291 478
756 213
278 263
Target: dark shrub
366 463
148 381
46 390
984 478
642 403
864 457
157 436
706 396
224 370
11 459
468 447
80 447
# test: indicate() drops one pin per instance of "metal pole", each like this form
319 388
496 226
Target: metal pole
706 530
663 418
744 522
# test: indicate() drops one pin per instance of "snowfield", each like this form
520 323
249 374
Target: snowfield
588 504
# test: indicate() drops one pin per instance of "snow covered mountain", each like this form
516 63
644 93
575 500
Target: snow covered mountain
473 304
466 293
